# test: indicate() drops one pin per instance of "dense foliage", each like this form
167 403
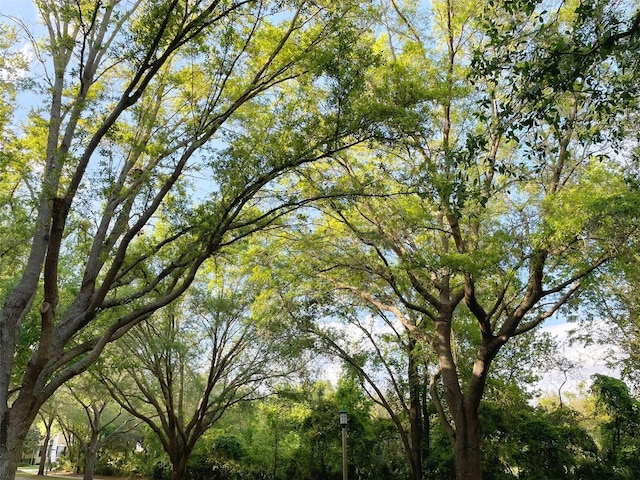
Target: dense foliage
295 434
202 198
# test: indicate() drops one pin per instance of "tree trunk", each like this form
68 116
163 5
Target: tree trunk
179 467
90 456
415 415
94 415
12 436
275 448
14 428
463 407
48 423
467 446
426 427
45 452
8 465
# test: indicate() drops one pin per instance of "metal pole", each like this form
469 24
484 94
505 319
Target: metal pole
344 452
344 420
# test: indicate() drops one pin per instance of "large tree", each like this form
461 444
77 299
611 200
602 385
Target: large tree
182 369
500 213
128 178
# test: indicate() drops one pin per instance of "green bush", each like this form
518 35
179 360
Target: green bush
207 468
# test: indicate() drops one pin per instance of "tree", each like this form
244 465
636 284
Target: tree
391 365
133 187
615 315
180 371
384 347
308 418
295 433
497 215
619 432
89 419
532 443
48 416
32 444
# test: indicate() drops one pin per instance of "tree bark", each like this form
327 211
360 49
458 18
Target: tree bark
90 455
415 415
45 451
463 405
11 447
48 424
179 465
426 427
8 465
468 459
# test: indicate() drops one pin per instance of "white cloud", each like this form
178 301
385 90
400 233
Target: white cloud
27 54
584 361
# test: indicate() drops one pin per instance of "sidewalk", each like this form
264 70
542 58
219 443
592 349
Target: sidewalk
31 474
22 475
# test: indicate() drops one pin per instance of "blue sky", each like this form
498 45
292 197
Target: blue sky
23 9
